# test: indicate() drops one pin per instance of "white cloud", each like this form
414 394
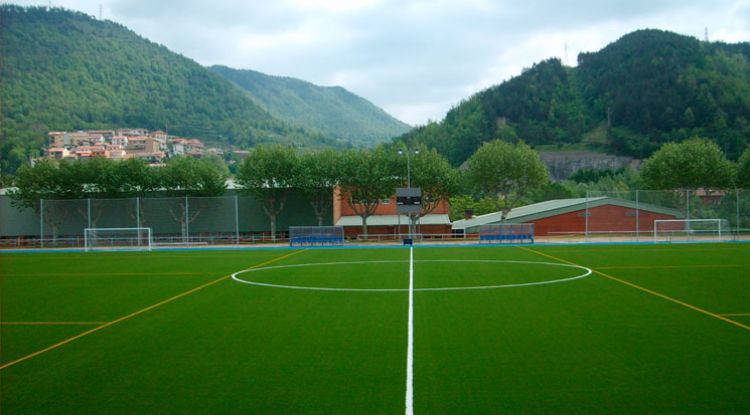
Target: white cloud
333 6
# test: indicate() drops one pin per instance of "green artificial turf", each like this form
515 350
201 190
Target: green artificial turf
590 345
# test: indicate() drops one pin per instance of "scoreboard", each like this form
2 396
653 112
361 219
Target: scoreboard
408 200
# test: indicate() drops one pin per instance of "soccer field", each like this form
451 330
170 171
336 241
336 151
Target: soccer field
528 329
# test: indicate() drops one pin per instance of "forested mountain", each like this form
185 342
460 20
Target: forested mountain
64 70
645 89
333 111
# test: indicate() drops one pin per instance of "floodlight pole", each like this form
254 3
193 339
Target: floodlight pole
408 182
408 164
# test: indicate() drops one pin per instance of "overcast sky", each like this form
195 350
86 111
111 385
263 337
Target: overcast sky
415 59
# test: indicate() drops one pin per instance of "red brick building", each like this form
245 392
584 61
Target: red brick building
569 216
385 221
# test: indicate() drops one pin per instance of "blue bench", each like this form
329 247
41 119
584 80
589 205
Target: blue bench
315 240
507 238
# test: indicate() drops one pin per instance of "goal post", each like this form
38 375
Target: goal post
117 238
685 230
316 235
516 233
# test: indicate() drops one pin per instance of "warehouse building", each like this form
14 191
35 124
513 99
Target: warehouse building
577 216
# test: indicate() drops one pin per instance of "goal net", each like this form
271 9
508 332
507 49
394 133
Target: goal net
516 233
677 230
117 238
316 235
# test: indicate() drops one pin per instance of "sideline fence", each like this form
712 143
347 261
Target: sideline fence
643 207
175 221
604 216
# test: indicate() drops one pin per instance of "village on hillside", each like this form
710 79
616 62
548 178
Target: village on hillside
151 146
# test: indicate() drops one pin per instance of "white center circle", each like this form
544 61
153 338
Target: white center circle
586 273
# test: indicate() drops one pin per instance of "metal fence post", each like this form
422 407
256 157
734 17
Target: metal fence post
586 215
637 218
236 219
737 233
187 222
41 222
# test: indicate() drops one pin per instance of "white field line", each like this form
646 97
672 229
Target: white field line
410 341
587 272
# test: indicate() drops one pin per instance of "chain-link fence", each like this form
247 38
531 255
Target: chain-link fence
173 221
610 216
631 215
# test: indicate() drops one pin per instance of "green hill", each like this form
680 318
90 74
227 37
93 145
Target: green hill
645 89
333 111
64 70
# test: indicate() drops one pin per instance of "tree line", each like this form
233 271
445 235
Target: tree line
677 167
497 177
270 174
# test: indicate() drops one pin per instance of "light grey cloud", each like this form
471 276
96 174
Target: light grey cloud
414 58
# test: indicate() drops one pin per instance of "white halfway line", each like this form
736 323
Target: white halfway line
410 341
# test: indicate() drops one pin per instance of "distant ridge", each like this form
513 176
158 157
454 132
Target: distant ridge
333 111
647 88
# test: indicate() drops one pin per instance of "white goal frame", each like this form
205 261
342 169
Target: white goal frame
706 232
142 241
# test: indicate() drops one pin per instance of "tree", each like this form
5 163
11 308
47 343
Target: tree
506 173
434 175
52 180
41 181
319 174
460 204
689 165
136 178
188 176
742 175
367 177
269 173
99 177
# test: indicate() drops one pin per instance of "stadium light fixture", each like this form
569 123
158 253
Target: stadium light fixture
408 164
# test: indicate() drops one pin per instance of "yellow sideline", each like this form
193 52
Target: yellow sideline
52 323
141 311
652 292
672 266
97 273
